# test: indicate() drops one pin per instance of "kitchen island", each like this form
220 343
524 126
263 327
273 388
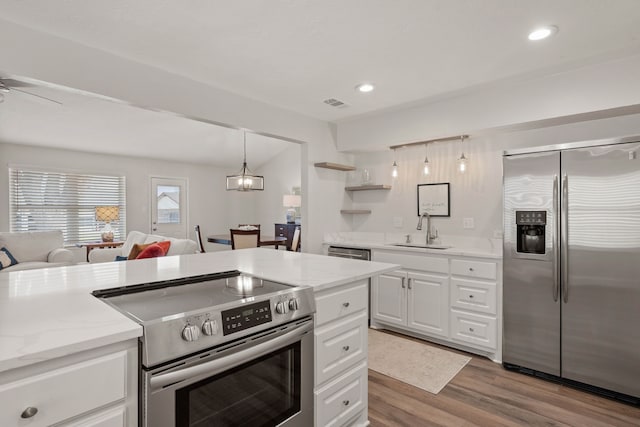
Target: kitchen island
49 321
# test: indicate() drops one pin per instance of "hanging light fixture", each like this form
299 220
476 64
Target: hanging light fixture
426 170
245 180
462 161
394 166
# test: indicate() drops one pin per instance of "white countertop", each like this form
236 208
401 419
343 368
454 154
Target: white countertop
48 313
460 246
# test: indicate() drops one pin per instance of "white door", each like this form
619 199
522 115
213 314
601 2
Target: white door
169 207
389 298
428 301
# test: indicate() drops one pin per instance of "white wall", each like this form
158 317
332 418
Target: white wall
476 194
206 184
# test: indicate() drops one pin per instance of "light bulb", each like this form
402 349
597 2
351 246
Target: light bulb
426 170
394 170
542 32
462 164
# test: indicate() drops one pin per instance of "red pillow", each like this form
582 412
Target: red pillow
165 246
152 251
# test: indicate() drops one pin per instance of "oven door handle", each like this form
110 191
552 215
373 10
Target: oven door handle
227 362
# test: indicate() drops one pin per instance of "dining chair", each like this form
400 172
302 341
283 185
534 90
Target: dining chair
250 225
296 240
242 239
199 239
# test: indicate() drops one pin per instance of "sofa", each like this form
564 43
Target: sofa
35 249
177 247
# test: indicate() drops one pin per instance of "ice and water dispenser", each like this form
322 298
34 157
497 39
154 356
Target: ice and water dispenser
531 231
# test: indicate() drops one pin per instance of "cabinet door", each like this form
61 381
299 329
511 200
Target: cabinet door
428 303
389 298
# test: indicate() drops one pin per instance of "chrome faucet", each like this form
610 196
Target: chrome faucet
430 237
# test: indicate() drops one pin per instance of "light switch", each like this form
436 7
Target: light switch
397 221
467 223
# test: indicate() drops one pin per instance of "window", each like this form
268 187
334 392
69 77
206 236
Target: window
52 200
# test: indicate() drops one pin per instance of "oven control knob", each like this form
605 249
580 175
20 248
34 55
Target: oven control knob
282 307
190 333
210 327
293 304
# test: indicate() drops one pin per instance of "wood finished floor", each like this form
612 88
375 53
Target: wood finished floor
485 394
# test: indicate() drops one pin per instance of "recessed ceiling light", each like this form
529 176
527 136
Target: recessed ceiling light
543 32
365 87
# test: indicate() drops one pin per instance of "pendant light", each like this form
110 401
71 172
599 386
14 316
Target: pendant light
462 161
426 170
394 167
245 180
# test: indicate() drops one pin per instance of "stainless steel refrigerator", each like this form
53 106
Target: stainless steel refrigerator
572 264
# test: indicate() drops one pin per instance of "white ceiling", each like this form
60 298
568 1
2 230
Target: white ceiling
96 124
295 54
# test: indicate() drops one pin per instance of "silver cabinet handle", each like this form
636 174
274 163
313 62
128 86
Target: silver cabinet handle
402 283
470 268
409 281
565 238
345 304
345 402
345 348
470 296
29 412
470 329
555 232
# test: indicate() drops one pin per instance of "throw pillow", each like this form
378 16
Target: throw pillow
121 258
165 246
152 251
6 259
137 248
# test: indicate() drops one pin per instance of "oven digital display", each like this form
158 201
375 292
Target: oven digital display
238 319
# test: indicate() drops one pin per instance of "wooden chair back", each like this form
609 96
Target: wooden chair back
295 242
242 239
199 239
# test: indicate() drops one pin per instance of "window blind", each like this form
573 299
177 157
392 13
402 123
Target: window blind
47 200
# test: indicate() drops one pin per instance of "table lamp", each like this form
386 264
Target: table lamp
107 214
291 201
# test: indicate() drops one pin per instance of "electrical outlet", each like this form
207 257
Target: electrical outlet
397 221
497 234
467 223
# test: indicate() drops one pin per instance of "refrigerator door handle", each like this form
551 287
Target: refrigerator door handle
556 232
565 238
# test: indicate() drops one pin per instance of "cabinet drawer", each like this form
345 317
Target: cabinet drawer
113 417
340 401
474 329
65 392
474 295
340 345
414 261
479 269
336 304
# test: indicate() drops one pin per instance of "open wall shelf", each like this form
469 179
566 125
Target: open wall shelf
335 166
355 211
368 187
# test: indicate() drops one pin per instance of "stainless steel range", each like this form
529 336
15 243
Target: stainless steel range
225 349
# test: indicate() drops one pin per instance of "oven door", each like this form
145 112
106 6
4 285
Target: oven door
262 380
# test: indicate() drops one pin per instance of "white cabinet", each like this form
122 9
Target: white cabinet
416 300
452 300
94 388
340 387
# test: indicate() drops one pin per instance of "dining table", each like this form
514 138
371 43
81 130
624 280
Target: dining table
225 239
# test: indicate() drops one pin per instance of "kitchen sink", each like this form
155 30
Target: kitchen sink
418 245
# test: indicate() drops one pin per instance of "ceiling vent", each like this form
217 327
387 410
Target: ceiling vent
335 103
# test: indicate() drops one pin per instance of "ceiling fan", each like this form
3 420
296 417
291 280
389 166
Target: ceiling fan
8 85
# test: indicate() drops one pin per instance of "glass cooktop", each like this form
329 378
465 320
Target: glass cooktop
169 300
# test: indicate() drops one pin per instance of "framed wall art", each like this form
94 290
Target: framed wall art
434 199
